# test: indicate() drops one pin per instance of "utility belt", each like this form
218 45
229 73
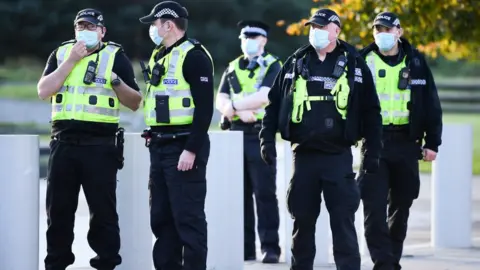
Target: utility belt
396 133
84 141
117 141
248 128
152 137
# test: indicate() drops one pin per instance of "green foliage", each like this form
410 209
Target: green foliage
34 28
436 27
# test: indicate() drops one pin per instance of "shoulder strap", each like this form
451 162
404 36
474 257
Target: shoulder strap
68 42
114 44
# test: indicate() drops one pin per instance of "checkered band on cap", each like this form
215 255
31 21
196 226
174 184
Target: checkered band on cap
166 11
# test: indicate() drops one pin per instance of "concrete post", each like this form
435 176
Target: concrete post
133 207
19 201
452 189
224 204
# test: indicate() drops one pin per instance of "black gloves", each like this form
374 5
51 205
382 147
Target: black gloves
269 153
370 164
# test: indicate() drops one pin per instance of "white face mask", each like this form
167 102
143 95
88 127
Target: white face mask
250 47
154 36
89 37
385 41
318 38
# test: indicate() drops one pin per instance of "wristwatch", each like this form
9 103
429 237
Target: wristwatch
116 81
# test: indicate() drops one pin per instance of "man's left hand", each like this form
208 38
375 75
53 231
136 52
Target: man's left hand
228 110
429 155
186 161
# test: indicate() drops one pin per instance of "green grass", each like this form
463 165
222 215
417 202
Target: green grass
474 120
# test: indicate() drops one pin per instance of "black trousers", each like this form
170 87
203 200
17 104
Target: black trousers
332 174
177 207
259 180
94 168
396 184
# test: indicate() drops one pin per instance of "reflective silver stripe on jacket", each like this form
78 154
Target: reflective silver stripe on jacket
172 67
395 114
87 109
396 96
174 93
371 66
264 63
102 65
176 112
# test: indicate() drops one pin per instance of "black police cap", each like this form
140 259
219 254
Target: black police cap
253 28
90 15
387 19
323 17
165 10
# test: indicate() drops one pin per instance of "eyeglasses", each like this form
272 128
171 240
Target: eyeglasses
88 26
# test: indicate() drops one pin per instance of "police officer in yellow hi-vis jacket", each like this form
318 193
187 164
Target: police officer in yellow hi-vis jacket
178 108
241 99
86 80
411 113
323 101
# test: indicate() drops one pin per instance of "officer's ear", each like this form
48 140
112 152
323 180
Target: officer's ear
103 31
400 32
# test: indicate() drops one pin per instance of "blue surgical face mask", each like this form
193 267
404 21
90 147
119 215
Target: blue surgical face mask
153 32
89 37
385 41
250 46
318 38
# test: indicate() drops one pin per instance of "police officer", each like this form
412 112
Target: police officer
410 108
323 101
178 109
86 80
243 94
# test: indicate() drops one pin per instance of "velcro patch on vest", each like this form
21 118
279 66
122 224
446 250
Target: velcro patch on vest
288 76
101 80
418 82
170 81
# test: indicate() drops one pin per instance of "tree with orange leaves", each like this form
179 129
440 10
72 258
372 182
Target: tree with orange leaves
435 27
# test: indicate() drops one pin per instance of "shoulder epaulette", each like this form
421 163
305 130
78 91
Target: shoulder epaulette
114 44
194 41
68 42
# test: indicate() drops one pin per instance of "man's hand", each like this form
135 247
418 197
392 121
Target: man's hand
186 160
269 153
247 116
429 155
79 50
228 110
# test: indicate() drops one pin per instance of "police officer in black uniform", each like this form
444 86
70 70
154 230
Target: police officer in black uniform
86 80
323 101
243 94
178 107
411 114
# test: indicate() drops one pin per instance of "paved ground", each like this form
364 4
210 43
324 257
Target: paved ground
417 240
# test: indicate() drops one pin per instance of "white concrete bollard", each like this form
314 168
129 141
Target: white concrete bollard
133 207
323 235
224 204
19 201
452 189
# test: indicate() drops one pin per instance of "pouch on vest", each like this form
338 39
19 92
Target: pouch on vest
342 97
89 76
403 78
233 82
162 109
157 73
339 66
